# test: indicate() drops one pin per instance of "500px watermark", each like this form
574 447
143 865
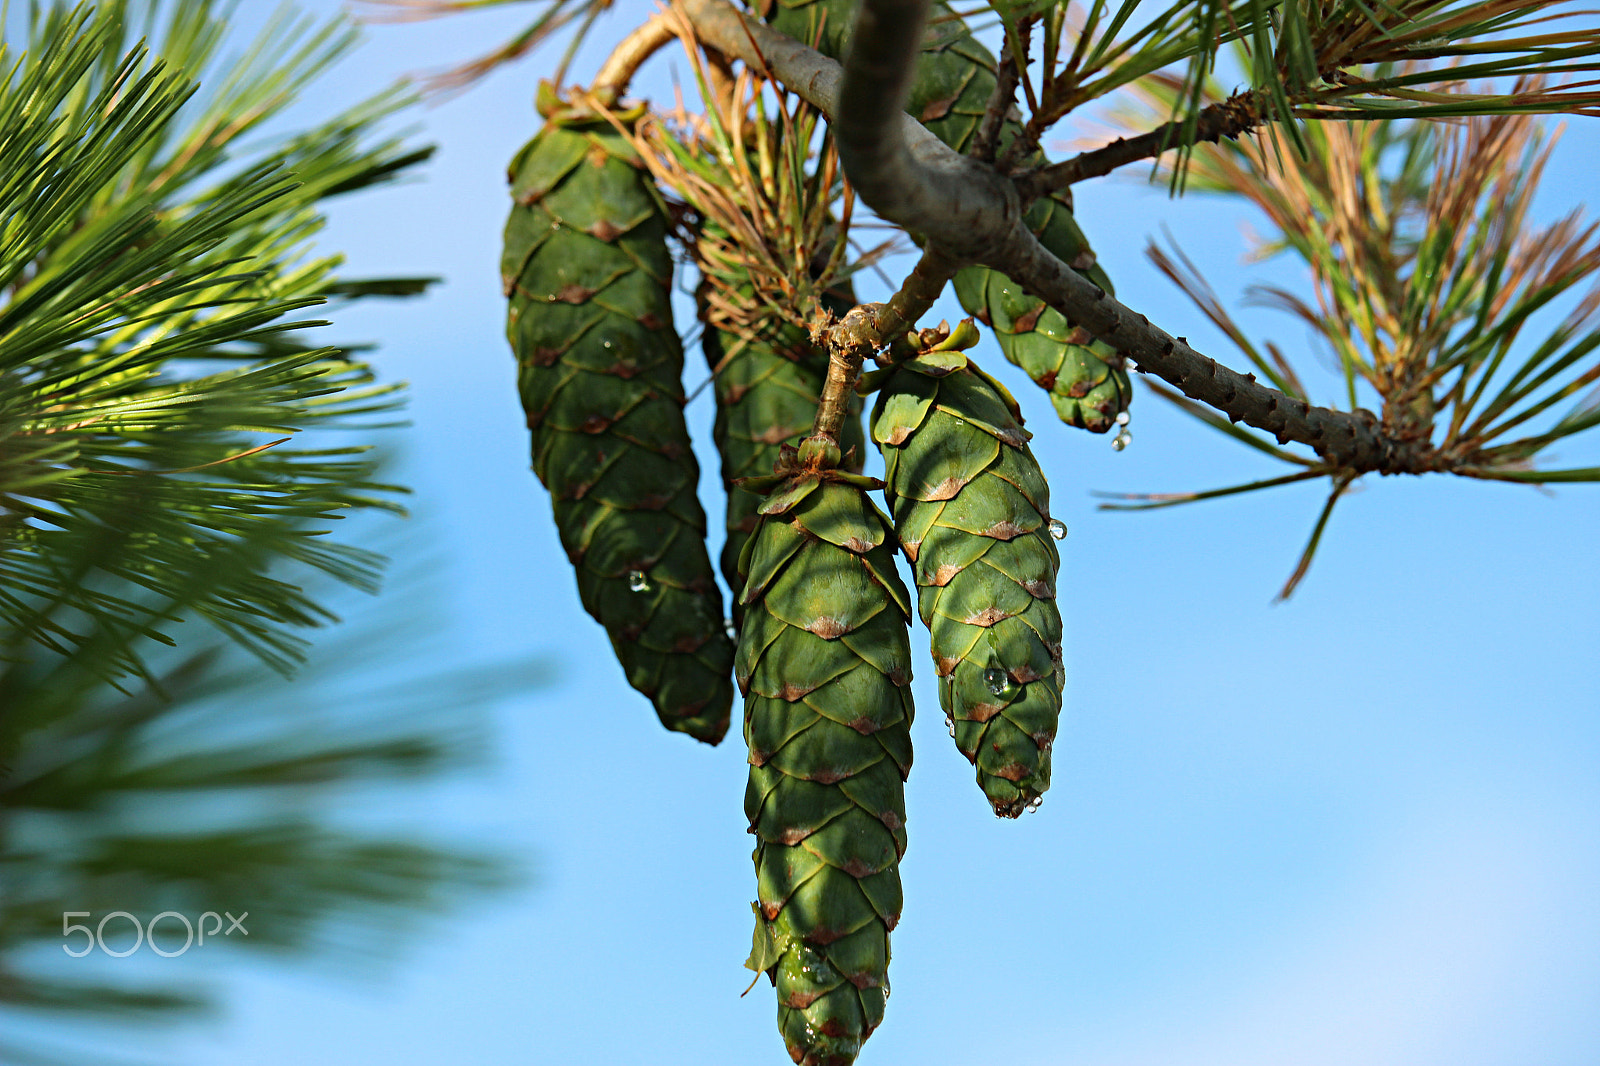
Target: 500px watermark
95 938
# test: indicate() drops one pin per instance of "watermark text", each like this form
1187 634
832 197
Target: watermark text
194 932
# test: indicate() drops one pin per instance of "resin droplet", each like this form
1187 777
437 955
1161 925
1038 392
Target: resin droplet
1122 419
637 582
995 679
1121 440
1058 529
1035 803
732 630
950 724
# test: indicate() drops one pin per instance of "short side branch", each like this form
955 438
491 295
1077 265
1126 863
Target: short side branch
917 293
1226 119
870 327
844 368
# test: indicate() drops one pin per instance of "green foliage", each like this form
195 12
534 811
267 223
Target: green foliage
1427 277
153 250
149 380
169 799
1314 59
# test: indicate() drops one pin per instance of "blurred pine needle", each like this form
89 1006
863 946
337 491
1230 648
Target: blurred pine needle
153 389
160 521
558 14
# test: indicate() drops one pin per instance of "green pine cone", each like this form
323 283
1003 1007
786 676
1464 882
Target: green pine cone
971 509
1087 384
824 665
766 397
587 272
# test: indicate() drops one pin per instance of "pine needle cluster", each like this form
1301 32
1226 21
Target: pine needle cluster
1426 275
155 376
171 464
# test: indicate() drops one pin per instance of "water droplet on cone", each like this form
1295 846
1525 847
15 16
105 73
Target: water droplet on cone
1122 419
732 630
1058 529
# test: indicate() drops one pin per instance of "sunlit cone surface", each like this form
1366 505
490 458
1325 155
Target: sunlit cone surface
824 665
587 272
954 82
971 508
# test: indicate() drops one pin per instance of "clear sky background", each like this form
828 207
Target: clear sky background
1361 828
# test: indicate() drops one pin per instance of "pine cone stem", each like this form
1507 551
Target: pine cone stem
629 55
926 281
844 369
869 327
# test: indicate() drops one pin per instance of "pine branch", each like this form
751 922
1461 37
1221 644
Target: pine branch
1319 59
911 178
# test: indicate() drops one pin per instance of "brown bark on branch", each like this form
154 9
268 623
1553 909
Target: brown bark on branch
986 142
912 179
844 368
1226 119
917 293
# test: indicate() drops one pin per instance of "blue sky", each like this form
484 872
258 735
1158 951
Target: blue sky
1362 827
